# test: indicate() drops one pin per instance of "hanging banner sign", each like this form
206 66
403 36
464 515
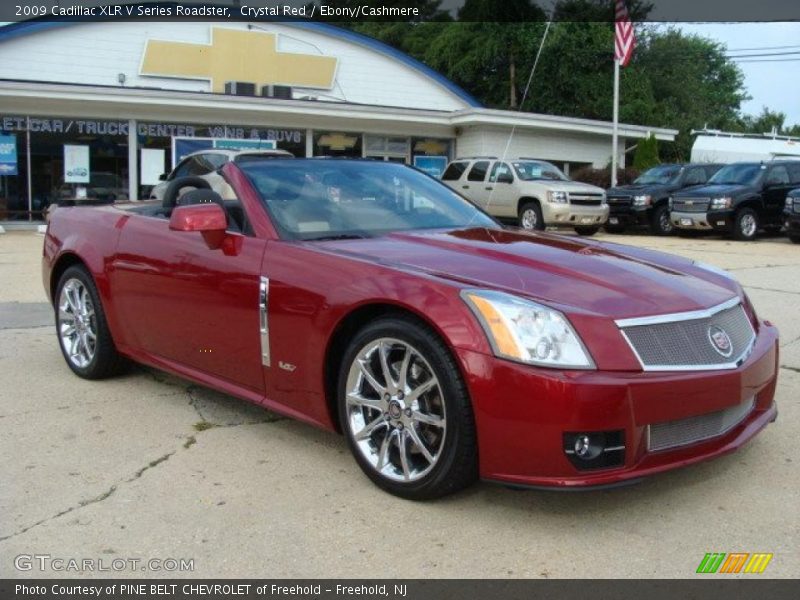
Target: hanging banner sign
76 164
8 155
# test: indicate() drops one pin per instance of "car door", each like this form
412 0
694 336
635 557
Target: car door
473 186
187 304
502 193
777 185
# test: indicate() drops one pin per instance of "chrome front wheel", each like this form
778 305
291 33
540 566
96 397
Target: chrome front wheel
405 410
396 414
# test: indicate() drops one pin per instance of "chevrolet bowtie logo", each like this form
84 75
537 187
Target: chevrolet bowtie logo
337 141
237 55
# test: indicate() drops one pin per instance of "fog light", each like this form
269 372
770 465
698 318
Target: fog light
595 450
585 449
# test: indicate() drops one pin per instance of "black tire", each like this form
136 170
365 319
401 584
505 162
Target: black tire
659 221
614 228
530 216
744 229
795 239
586 231
456 456
105 361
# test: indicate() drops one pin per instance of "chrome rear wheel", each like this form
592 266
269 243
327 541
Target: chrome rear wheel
77 323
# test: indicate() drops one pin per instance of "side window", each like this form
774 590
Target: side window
695 176
182 170
216 160
794 172
778 176
478 171
454 171
501 173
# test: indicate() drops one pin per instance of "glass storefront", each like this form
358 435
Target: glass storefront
48 144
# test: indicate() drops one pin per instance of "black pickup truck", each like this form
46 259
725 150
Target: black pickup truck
741 198
644 202
791 215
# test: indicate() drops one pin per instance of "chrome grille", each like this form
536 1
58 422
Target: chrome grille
690 204
672 434
619 200
586 199
686 341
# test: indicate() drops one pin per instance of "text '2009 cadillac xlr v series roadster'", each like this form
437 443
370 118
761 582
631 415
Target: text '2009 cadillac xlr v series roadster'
368 298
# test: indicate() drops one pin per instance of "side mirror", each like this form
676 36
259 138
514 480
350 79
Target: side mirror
208 219
505 178
163 177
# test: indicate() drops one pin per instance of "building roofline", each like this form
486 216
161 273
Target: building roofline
192 103
22 28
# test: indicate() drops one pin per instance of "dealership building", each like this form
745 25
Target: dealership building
114 105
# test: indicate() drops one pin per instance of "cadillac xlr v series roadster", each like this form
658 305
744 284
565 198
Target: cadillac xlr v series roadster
368 298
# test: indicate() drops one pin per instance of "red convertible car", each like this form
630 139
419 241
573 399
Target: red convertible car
368 298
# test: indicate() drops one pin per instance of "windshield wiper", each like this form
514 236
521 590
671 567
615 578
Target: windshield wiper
338 236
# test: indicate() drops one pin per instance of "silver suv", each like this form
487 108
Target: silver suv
534 193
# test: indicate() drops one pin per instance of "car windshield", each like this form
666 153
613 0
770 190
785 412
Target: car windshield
741 174
339 199
529 170
659 175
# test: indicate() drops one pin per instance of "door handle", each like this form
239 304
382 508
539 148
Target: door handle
464 187
489 187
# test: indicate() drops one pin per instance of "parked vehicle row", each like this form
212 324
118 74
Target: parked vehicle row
738 199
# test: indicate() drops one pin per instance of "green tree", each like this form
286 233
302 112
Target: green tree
646 155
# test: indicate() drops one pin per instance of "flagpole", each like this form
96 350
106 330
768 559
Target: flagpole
615 134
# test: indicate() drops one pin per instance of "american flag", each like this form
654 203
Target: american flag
624 37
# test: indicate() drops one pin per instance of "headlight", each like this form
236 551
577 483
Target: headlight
713 269
527 332
558 197
720 203
789 202
642 200
669 202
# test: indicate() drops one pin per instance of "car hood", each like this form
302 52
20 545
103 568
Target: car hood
651 188
563 186
714 191
572 274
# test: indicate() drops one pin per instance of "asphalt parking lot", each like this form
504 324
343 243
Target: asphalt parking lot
150 466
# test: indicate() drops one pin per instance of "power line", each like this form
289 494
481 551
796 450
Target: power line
768 60
766 54
761 48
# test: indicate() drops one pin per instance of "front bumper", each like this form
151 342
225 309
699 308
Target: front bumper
791 220
718 220
571 215
631 216
522 414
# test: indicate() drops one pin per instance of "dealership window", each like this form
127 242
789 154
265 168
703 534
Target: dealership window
395 149
106 170
331 143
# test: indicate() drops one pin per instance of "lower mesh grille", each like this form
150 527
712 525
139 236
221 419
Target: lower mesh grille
671 434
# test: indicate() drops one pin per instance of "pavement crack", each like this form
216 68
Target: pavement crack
81 504
763 289
100 498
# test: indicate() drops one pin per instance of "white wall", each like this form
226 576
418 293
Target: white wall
567 147
95 53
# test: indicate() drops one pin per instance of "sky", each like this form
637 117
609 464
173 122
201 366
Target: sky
775 85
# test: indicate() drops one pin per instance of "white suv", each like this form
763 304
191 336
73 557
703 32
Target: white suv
534 193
